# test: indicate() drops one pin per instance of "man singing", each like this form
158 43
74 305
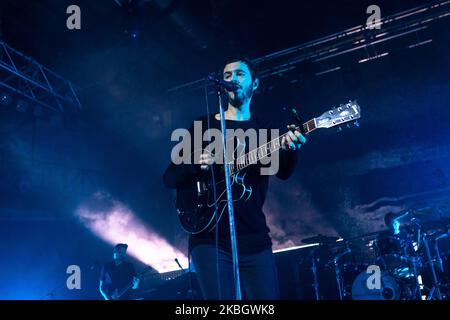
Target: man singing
214 265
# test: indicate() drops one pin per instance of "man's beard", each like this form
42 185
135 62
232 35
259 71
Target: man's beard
240 98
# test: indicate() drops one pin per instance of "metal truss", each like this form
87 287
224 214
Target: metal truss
363 38
26 78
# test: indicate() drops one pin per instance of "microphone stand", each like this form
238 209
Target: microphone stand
234 253
179 265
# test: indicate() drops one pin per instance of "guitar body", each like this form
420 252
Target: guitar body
198 207
119 293
201 204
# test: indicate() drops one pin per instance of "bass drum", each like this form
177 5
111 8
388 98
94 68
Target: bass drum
392 256
389 289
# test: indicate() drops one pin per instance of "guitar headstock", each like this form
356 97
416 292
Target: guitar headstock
345 113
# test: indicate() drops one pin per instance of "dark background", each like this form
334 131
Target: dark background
119 143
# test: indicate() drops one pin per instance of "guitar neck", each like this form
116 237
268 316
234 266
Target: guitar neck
130 284
266 150
124 290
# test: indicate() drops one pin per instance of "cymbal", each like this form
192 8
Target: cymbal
320 239
423 210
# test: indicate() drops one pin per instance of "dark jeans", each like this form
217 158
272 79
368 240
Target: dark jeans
258 274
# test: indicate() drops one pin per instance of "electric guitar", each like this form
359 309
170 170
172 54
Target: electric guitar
118 293
199 208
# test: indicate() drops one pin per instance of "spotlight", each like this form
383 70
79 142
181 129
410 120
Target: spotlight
114 222
5 99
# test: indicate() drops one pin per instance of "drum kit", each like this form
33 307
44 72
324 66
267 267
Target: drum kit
409 261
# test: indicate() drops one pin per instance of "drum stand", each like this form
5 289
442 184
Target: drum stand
314 271
417 295
337 271
423 237
435 289
438 251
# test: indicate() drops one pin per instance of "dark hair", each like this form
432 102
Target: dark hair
120 245
247 61
388 218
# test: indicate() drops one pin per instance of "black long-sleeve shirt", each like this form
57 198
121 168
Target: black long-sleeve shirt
252 232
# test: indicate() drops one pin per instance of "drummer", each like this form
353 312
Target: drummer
392 222
393 247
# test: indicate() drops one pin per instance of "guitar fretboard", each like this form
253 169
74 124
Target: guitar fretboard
252 157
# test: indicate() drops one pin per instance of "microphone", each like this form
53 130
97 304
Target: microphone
392 220
227 85
391 217
178 263
401 214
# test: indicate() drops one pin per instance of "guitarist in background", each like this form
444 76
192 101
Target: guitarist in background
116 275
257 267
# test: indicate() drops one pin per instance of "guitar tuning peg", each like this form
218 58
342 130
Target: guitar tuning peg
356 124
339 129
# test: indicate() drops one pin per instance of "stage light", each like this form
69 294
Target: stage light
115 223
5 99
